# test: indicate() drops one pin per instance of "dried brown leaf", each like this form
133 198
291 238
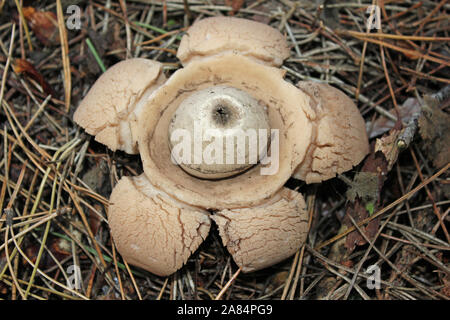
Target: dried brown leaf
367 198
44 25
407 112
60 249
434 127
365 186
389 147
22 66
236 5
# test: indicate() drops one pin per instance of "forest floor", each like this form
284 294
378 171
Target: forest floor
379 231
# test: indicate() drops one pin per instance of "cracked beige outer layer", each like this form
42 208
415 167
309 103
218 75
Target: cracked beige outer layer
111 108
261 236
151 230
218 35
339 139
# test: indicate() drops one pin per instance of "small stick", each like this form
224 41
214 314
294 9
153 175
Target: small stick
228 284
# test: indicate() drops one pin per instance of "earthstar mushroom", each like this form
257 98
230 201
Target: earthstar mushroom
230 83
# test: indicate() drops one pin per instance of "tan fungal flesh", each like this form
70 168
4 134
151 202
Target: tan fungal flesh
339 139
151 230
286 106
110 110
261 236
220 35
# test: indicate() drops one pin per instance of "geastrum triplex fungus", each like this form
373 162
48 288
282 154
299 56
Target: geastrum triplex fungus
218 140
